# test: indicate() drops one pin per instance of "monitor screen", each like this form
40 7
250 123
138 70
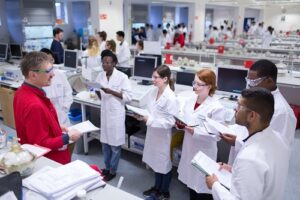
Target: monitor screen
3 51
153 55
144 67
15 50
70 59
185 78
231 80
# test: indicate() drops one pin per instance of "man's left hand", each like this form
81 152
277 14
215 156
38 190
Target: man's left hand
210 180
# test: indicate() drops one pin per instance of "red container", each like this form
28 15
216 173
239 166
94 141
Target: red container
168 59
211 41
168 46
221 49
248 63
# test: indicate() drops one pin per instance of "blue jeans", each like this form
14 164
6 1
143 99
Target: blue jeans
111 156
162 181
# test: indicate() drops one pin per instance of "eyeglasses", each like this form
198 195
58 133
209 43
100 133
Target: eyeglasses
195 84
46 71
255 82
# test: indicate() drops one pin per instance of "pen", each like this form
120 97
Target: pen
195 125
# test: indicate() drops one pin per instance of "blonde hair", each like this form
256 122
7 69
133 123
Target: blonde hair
93 46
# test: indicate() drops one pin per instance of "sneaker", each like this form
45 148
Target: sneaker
109 177
164 196
151 197
148 193
104 172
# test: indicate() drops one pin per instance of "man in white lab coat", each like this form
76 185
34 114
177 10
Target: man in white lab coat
60 93
123 51
260 169
263 73
115 91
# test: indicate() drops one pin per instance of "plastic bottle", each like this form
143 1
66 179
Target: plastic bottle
3 139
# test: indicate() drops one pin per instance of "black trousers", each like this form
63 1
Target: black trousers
199 196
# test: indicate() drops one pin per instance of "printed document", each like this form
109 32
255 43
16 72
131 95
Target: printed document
208 166
216 128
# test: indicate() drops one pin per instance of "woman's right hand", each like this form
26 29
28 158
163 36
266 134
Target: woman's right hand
179 125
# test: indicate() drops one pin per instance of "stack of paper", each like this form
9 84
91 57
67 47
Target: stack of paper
138 111
208 166
65 181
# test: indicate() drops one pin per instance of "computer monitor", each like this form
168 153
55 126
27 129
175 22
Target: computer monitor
231 81
3 52
185 78
144 67
71 59
15 51
153 55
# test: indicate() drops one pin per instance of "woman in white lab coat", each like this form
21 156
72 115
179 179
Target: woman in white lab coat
91 56
200 106
162 105
115 91
101 37
60 93
267 37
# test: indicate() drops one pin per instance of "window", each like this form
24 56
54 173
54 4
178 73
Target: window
61 13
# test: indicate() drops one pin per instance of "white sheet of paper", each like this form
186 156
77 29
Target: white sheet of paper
63 179
208 166
37 150
139 111
84 127
216 128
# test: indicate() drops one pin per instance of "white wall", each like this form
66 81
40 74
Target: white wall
222 13
272 16
255 13
115 18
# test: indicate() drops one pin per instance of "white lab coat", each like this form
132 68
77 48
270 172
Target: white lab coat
283 121
156 152
123 54
102 46
60 94
91 66
267 39
259 171
113 108
199 141
92 62
165 39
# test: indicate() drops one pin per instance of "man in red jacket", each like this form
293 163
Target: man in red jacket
35 116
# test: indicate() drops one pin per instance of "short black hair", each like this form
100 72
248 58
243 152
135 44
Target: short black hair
265 68
109 53
120 33
57 31
48 51
261 101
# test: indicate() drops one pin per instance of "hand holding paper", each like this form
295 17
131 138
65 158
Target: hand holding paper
209 167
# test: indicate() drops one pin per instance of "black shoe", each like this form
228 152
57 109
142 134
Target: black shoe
104 172
164 196
148 193
109 177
